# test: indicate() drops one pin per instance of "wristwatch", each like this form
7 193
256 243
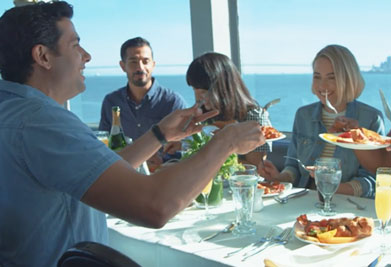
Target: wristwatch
158 134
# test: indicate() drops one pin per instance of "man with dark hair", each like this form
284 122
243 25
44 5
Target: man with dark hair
57 180
143 101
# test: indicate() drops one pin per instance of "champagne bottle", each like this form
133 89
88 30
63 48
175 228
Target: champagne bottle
117 139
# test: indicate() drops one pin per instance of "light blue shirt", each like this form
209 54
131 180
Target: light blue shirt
48 160
307 145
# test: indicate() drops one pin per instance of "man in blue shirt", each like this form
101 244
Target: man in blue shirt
57 180
143 101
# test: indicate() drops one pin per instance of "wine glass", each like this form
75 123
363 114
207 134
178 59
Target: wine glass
205 193
327 179
383 202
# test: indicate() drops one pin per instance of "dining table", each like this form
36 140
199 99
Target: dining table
180 242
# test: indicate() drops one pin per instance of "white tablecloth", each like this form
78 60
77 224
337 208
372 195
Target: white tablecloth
177 243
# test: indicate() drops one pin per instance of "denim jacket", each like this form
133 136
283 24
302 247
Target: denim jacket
307 145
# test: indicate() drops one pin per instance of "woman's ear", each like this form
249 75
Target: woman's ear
41 55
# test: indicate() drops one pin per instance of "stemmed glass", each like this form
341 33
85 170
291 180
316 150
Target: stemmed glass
205 193
383 202
327 179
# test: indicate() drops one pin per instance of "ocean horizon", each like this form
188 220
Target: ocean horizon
294 90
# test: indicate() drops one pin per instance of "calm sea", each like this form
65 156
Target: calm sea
293 89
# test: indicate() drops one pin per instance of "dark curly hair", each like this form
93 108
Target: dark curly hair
21 28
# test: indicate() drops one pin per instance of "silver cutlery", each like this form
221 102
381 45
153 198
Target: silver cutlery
284 200
256 244
386 107
298 161
200 104
269 104
226 229
328 104
281 239
358 206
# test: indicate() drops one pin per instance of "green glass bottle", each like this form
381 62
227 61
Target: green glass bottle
117 139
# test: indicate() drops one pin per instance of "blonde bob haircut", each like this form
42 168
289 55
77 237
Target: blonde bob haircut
348 78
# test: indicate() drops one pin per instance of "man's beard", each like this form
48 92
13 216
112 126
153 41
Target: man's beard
140 83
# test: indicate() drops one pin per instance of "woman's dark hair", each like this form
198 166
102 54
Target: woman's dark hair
21 28
227 92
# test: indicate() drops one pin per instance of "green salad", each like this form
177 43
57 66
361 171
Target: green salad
230 165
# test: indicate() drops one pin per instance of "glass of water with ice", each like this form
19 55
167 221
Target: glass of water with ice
327 179
243 189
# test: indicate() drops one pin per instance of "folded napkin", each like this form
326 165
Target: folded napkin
313 255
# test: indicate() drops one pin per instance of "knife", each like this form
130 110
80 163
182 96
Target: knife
386 107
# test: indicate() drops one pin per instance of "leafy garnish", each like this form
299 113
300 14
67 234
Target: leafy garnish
230 165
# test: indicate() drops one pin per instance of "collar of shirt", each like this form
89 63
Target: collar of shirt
148 96
24 91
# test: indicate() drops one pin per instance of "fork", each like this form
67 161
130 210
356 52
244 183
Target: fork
226 229
358 206
281 239
328 104
386 107
200 104
298 161
256 244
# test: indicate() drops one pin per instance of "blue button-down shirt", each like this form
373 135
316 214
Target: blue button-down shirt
307 145
48 160
136 119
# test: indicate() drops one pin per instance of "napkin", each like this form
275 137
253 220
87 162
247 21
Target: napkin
313 255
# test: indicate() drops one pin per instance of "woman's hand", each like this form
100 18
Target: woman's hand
311 169
269 171
172 147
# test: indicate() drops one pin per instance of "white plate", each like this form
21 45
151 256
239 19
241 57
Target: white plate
288 186
356 146
277 138
299 228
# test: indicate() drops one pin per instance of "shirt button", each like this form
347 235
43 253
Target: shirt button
139 125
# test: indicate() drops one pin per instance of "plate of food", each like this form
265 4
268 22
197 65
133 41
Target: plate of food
359 138
271 134
333 232
271 189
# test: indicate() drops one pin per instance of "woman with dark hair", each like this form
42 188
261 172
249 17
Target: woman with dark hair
218 85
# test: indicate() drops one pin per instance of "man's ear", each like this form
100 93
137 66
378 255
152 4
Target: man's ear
122 64
41 55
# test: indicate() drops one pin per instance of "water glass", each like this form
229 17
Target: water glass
249 169
383 203
243 189
327 179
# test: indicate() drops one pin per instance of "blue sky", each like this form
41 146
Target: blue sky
272 32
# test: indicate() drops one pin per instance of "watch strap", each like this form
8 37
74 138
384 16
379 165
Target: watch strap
158 134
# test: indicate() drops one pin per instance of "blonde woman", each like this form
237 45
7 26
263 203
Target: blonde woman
335 73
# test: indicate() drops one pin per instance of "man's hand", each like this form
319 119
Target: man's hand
243 137
343 124
173 124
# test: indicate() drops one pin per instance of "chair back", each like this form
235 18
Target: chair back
92 254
